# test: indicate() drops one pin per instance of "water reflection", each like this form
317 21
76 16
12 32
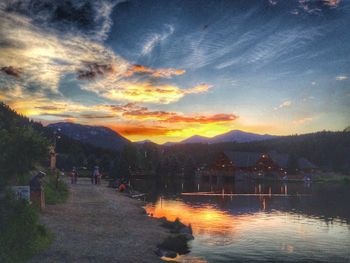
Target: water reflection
205 219
256 236
329 202
259 221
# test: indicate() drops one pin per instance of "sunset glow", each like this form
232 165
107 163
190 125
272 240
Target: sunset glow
180 74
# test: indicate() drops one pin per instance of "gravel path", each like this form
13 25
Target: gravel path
97 224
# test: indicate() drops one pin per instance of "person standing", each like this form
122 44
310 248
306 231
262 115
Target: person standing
99 178
95 175
74 176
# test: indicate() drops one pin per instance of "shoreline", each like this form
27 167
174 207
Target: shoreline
98 224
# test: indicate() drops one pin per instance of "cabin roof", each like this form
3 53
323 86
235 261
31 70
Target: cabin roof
281 159
243 159
249 159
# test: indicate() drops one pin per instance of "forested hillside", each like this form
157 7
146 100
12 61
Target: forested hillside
27 139
328 150
24 143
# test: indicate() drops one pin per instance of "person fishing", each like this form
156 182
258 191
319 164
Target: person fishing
99 177
122 187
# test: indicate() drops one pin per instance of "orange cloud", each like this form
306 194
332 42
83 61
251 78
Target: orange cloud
144 113
60 115
332 3
156 73
50 108
96 116
202 119
133 129
173 117
149 93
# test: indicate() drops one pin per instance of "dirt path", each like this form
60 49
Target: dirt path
99 225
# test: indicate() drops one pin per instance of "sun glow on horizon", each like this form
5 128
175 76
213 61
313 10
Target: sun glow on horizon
167 81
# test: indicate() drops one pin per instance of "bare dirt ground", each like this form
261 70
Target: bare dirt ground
97 224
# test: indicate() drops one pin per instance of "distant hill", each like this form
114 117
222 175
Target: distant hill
231 136
241 136
144 141
196 139
95 135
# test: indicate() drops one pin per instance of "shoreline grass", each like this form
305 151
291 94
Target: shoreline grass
21 235
56 192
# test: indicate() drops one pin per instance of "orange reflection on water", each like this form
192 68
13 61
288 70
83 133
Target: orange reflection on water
204 220
185 259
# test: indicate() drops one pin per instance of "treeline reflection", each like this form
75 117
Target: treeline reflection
328 202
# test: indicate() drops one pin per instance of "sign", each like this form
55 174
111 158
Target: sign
21 192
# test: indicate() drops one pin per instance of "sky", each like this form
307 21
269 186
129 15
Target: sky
167 70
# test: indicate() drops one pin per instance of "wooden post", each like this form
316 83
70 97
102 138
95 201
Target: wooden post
38 199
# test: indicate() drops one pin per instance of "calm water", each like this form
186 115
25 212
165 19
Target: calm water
235 222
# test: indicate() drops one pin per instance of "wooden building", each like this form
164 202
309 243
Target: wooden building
253 164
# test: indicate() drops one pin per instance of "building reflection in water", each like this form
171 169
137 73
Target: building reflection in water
257 220
216 227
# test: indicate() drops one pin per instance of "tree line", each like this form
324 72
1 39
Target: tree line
24 142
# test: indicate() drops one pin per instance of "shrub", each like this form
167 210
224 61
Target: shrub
55 195
21 235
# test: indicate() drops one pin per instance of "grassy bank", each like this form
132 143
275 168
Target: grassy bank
21 235
55 191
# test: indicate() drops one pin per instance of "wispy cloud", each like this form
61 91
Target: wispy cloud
144 113
332 3
202 119
272 47
341 77
145 92
156 73
284 104
302 121
34 56
156 38
91 19
44 57
273 2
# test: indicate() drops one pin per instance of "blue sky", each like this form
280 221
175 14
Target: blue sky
166 70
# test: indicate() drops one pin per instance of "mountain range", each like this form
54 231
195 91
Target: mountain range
95 135
107 138
231 136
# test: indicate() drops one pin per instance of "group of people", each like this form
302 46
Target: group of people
119 184
95 176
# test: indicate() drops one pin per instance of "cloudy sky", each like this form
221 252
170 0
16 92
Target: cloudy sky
166 70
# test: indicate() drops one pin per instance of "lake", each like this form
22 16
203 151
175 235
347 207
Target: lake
256 221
